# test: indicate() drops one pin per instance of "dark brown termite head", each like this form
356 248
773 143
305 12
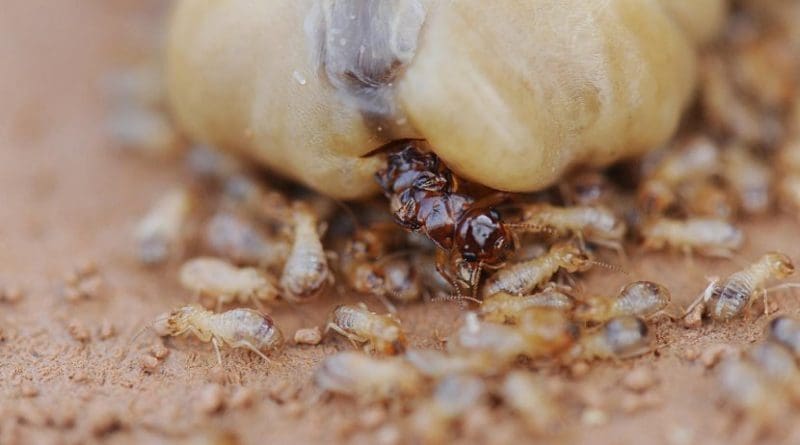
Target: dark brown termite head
408 166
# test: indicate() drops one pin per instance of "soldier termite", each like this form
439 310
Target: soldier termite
640 299
453 396
706 236
725 299
237 328
231 236
366 378
537 405
595 224
306 270
216 278
619 338
506 308
523 277
161 232
381 333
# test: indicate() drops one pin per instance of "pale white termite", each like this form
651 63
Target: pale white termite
216 278
306 271
366 378
161 232
237 328
725 299
706 236
381 333
640 299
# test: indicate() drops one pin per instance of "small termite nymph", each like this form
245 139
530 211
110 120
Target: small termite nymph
366 378
162 230
786 331
237 239
707 236
528 395
453 396
381 333
540 333
506 308
698 158
595 224
215 278
750 178
237 328
751 392
306 271
436 364
725 299
640 299
521 278
620 338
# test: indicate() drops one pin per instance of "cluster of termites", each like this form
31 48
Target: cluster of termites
512 261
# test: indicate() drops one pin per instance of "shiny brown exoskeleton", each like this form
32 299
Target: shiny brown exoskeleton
424 197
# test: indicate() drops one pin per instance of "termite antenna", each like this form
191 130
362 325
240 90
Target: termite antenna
136 336
610 266
533 228
456 298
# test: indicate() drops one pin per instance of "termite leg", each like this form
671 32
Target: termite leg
250 346
344 333
215 343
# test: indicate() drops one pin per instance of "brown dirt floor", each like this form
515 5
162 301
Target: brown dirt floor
66 198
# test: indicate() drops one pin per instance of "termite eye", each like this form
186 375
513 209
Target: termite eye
469 257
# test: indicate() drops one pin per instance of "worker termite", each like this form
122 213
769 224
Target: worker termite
366 378
523 277
540 333
786 331
640 299
537 405
707 198
595 224
381 333
620 338
453 396
778 363
698 158
436 364
751 392
503 307
216 278
235 238
725 299
161 232
306 270
707 236
237 328
369 266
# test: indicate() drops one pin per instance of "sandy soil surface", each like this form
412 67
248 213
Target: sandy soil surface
69 372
